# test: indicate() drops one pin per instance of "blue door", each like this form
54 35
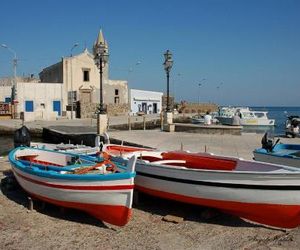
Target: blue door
56 107
28 106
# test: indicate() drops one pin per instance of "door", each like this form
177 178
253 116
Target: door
154 108
144 107
56 107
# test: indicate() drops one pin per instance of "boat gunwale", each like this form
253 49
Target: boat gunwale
290 170
35 171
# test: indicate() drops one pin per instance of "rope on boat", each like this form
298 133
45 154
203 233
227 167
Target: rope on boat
110 166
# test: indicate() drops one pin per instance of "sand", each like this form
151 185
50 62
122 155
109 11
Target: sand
50 227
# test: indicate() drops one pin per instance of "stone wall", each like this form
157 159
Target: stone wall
88 110
117 109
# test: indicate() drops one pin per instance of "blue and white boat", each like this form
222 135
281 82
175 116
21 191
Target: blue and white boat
95 185
278 153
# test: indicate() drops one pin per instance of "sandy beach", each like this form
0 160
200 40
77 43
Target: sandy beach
51 227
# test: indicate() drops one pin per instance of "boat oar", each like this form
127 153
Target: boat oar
112 167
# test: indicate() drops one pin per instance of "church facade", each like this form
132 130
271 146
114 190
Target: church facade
80 80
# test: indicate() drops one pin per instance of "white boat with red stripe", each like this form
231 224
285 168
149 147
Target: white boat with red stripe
97 186
262 192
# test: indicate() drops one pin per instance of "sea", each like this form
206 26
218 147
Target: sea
280 115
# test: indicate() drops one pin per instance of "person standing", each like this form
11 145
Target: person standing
207 119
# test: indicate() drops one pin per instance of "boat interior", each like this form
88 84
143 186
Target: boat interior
53 161
203 161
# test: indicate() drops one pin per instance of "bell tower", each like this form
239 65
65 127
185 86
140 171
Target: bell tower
100 40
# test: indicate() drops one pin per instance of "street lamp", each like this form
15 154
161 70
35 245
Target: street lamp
101 58
168 65
13 88
72 92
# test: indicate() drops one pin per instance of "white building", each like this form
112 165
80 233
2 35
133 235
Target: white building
64 83
148 102
37 101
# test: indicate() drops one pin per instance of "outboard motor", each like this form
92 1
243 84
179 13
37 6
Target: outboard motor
267 143
22 137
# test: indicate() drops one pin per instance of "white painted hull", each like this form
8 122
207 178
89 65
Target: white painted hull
106 198
257 122
293 162
261 192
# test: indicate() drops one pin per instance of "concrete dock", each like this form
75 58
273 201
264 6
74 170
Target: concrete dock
224 144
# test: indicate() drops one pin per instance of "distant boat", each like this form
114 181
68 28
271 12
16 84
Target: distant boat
97 186
262 192
199 119
244 116
292 126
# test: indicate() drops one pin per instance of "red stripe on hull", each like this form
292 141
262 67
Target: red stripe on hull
77 187
112 214
277 215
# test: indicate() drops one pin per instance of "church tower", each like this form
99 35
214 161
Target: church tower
100 40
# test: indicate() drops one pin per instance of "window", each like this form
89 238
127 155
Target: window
28 106
117 100
86 75
72 95
116 92
7 99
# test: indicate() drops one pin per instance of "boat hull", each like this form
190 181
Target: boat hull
293 162
283 154
257 122
106 197
245 195
225 120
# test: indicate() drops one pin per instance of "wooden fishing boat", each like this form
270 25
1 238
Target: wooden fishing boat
95 185
274 152
285 154
261 192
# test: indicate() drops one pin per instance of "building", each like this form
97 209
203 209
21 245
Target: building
147 102
69 88
81 81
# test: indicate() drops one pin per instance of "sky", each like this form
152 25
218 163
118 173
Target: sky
230 52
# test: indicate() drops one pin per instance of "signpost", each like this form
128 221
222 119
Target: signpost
5 109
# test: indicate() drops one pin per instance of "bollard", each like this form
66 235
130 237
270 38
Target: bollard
205 149
161 122
30 204
129 123
181 146
144 122
107 123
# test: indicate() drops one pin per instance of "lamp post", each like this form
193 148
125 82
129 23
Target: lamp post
13 88
72 93
101 58
168 65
